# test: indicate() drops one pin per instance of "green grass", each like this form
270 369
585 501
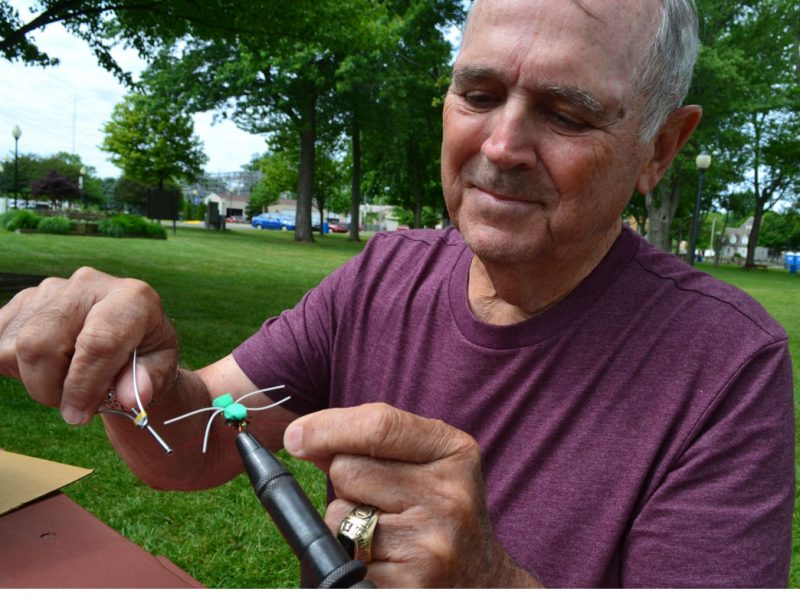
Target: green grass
218 288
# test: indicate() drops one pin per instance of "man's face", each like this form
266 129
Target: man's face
541 147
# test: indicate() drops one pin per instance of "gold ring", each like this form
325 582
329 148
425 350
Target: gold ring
356 531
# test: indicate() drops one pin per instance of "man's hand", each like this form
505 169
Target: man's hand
425 477
69 341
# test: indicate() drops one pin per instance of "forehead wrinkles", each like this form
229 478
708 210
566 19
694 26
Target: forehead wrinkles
622 29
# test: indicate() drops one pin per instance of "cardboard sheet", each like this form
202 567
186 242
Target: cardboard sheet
24 479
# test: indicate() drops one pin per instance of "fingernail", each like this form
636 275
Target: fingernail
71 415
293 439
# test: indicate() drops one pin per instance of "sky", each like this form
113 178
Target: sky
64 108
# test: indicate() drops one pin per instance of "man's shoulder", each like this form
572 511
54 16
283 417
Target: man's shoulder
410 247
425 236
704 293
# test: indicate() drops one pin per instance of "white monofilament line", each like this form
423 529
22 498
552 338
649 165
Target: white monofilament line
249 394
136 386
218 410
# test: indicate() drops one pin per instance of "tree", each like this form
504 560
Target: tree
772 105
403 150
142 24
55 187
32 167
781 231
746 79
129 195
153 141
279 171
273 82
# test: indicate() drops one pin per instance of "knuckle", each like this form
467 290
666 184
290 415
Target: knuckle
97 342
383 423
84 274
32 344
48 287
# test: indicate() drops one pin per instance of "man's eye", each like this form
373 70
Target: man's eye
569 123
479 99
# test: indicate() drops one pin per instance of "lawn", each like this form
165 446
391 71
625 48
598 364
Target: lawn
218 288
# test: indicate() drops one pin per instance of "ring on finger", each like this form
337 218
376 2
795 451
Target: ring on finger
356 532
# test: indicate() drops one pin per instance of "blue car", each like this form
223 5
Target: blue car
272 222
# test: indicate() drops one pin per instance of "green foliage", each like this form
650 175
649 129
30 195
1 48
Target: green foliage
781 232
127 225
24 219
32 168
55 225
143 26
280 177
152 140
129 194
429 218
747 81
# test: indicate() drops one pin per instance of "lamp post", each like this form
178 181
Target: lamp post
16 132
81 174
703 161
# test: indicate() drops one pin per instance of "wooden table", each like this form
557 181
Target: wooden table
55 543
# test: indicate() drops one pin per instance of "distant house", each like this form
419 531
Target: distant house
735 243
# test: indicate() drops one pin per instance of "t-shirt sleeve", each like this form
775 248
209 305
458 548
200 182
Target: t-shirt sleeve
722 515
294 348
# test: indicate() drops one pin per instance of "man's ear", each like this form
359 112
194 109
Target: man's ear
670 139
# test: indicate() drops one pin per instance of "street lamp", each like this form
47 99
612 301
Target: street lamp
703 161
81 174
16 132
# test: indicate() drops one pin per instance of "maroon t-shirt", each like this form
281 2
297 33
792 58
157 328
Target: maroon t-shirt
638 433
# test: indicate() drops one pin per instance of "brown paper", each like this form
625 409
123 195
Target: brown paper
24 479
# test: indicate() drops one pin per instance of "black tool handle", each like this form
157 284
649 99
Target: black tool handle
323 561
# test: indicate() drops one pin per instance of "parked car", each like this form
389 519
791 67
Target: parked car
272 222
336 227
234 219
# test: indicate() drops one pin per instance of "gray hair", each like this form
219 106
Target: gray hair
664 73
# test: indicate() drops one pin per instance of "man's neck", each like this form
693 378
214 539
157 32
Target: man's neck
504 294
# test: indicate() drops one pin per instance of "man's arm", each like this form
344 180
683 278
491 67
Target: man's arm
187 468
70 341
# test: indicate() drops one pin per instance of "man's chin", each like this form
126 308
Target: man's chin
499 246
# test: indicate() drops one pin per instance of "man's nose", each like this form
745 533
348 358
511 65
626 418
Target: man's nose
511 143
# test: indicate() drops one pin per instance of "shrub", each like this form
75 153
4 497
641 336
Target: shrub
21 219
55 225
5 218
127 225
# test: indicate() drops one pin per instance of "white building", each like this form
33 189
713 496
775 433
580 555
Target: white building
735 243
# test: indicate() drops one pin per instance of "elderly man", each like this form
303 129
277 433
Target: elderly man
533 397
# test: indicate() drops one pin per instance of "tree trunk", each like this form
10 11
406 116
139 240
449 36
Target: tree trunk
719 243
417 194
662 204
752 238
305 186
355 182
